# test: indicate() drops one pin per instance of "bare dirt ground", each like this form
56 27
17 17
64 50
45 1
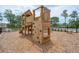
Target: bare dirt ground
14 42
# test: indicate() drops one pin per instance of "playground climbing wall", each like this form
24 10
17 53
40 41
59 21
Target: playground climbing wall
41 25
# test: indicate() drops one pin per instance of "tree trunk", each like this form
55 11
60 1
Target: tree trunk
76 26
65 24
76 30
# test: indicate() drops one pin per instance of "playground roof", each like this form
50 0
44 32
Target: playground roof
27 13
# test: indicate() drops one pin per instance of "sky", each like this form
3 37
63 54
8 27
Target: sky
56 10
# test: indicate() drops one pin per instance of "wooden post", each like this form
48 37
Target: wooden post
31 29
25 30
33 14
28 30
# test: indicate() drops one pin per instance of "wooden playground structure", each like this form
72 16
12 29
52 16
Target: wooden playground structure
36 24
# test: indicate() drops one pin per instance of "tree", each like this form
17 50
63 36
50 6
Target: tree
65 15
72 23
77 23
18 21
54 21
1 17
10 17
74 16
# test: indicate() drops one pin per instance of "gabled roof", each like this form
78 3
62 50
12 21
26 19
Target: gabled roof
27 13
